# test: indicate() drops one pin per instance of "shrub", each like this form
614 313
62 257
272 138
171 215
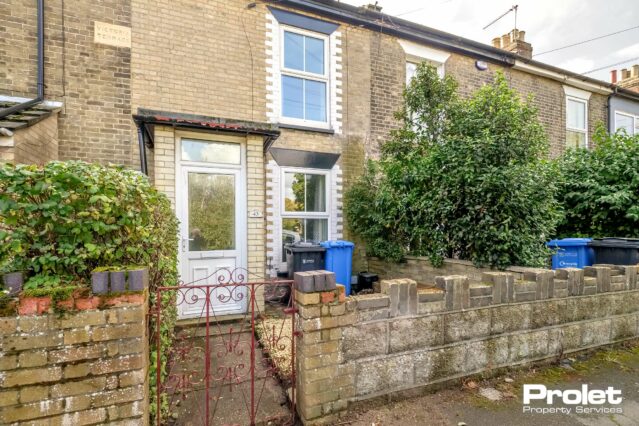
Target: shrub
461 177
600 188
64 219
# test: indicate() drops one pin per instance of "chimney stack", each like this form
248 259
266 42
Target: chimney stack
374 7
515 42
627 78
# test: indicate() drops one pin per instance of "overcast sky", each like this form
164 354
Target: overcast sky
548 24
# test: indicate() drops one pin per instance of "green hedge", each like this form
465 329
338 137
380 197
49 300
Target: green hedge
462 177
600 188
64 219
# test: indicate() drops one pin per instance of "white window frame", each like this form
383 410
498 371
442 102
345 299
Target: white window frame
416 61
325 78
635 121
305 215
584 131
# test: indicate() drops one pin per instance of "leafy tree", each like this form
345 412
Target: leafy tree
461 177
600 188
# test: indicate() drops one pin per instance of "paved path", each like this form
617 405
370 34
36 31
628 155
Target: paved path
619 368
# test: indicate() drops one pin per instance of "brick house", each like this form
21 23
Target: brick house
261 111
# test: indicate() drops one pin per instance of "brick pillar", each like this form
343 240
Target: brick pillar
545 282
457 291
503 286
602 274
323 385
403 296
574 278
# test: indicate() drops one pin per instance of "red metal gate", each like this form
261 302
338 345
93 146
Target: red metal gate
223 368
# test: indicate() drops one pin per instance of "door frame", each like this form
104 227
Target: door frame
181 196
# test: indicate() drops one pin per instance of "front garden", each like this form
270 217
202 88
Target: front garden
471 179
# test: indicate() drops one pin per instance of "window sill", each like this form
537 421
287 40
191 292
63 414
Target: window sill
306 128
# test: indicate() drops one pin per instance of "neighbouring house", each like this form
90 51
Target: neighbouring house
251 116
624 108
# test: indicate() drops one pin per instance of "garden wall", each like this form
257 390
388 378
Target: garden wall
421 270
82 367
410 337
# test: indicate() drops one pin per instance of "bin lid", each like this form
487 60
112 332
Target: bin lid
615 242
304 247
337 243
569 242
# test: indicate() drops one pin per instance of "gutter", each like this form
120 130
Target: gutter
401 28
40 97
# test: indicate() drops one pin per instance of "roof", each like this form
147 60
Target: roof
147 117
381 22
27 117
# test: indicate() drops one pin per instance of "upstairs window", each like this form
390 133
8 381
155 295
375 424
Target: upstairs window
411 69
628 122
576 123
304 78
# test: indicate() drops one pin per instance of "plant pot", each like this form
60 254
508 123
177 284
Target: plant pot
118 281
100 282
138 279
13 282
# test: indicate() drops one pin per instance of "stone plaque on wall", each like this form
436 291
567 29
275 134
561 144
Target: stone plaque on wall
111 35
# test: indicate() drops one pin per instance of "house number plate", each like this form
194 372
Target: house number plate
256 213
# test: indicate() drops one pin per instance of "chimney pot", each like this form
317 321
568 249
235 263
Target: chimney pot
522 35
374 7
635 70
497 42
505 41
613 76
625 74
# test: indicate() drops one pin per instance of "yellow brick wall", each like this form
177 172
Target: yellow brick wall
37 144
92 80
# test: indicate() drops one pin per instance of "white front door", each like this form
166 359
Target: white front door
212 214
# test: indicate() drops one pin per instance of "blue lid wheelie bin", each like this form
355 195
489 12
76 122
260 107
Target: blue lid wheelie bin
339 259
571 253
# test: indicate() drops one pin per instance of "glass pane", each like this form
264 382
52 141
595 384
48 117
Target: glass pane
315 100
294 192
295 230
211 212
293 51
304 192
314 55
315 193
210 152
575 139
636 125
411 70
292 97
576 114
624 122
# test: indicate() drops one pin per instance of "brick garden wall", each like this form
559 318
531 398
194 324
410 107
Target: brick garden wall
408 338
86 367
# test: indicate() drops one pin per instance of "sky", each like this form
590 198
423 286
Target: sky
548 24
